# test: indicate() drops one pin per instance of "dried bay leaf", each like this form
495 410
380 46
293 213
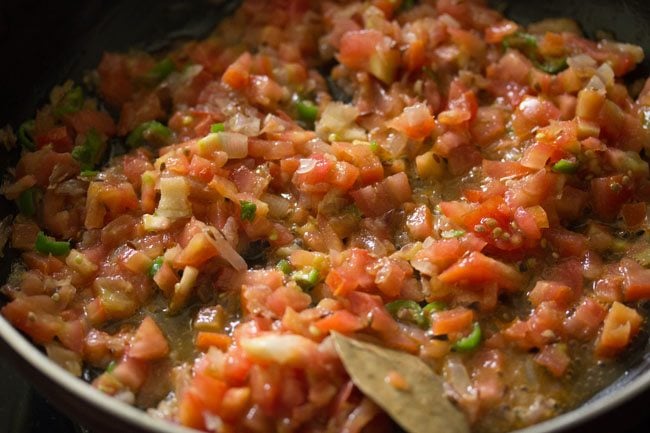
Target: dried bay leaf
418 407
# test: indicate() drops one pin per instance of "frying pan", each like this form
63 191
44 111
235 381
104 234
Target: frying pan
43 43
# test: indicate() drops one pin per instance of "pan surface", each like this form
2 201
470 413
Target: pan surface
44 43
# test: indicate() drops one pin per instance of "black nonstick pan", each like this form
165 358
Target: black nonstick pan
43 42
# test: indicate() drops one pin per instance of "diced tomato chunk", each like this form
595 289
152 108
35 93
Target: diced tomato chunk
622 323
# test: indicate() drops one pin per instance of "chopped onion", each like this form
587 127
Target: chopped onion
360 417
183 288
273 124
306 165
226 250
606 74
155 223
246 125
234 144
338 123
174 202
80 263
278 206
284 349
458 382
65 358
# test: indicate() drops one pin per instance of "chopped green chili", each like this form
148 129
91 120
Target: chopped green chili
407 311
217 127
89 173
156 264
25 135
90 152
111 366
307 111
470 342
521 41
152 132
25 202
161 70
48 245
565 166
552 65
374 146
284 266
70 103
527 44
248 210
306 278
433 307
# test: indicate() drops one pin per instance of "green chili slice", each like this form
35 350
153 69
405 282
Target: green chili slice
552 65
565 166
433 307
48 245
248 210
89 173
161 70
26 202
306 278
521 41
152 132
284 266
407 311
307 111
90 152
70 103
156 264
25 135
217 127
471 342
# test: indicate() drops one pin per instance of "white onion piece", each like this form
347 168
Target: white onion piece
306 165
226 250
278 206
285 349
174 198
458 382
606 73
234 144
246 125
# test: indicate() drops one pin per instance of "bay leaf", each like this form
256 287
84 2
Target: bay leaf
420 406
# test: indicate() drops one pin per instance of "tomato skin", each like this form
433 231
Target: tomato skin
554 358
114 79
532 113
237 75
351 274
609 194
452 322
377 199
621 324
478 269
340 321
369 50
415 121
636 285
148 343
85 120
58 137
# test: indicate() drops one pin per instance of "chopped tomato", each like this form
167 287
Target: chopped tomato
148 343
621 325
